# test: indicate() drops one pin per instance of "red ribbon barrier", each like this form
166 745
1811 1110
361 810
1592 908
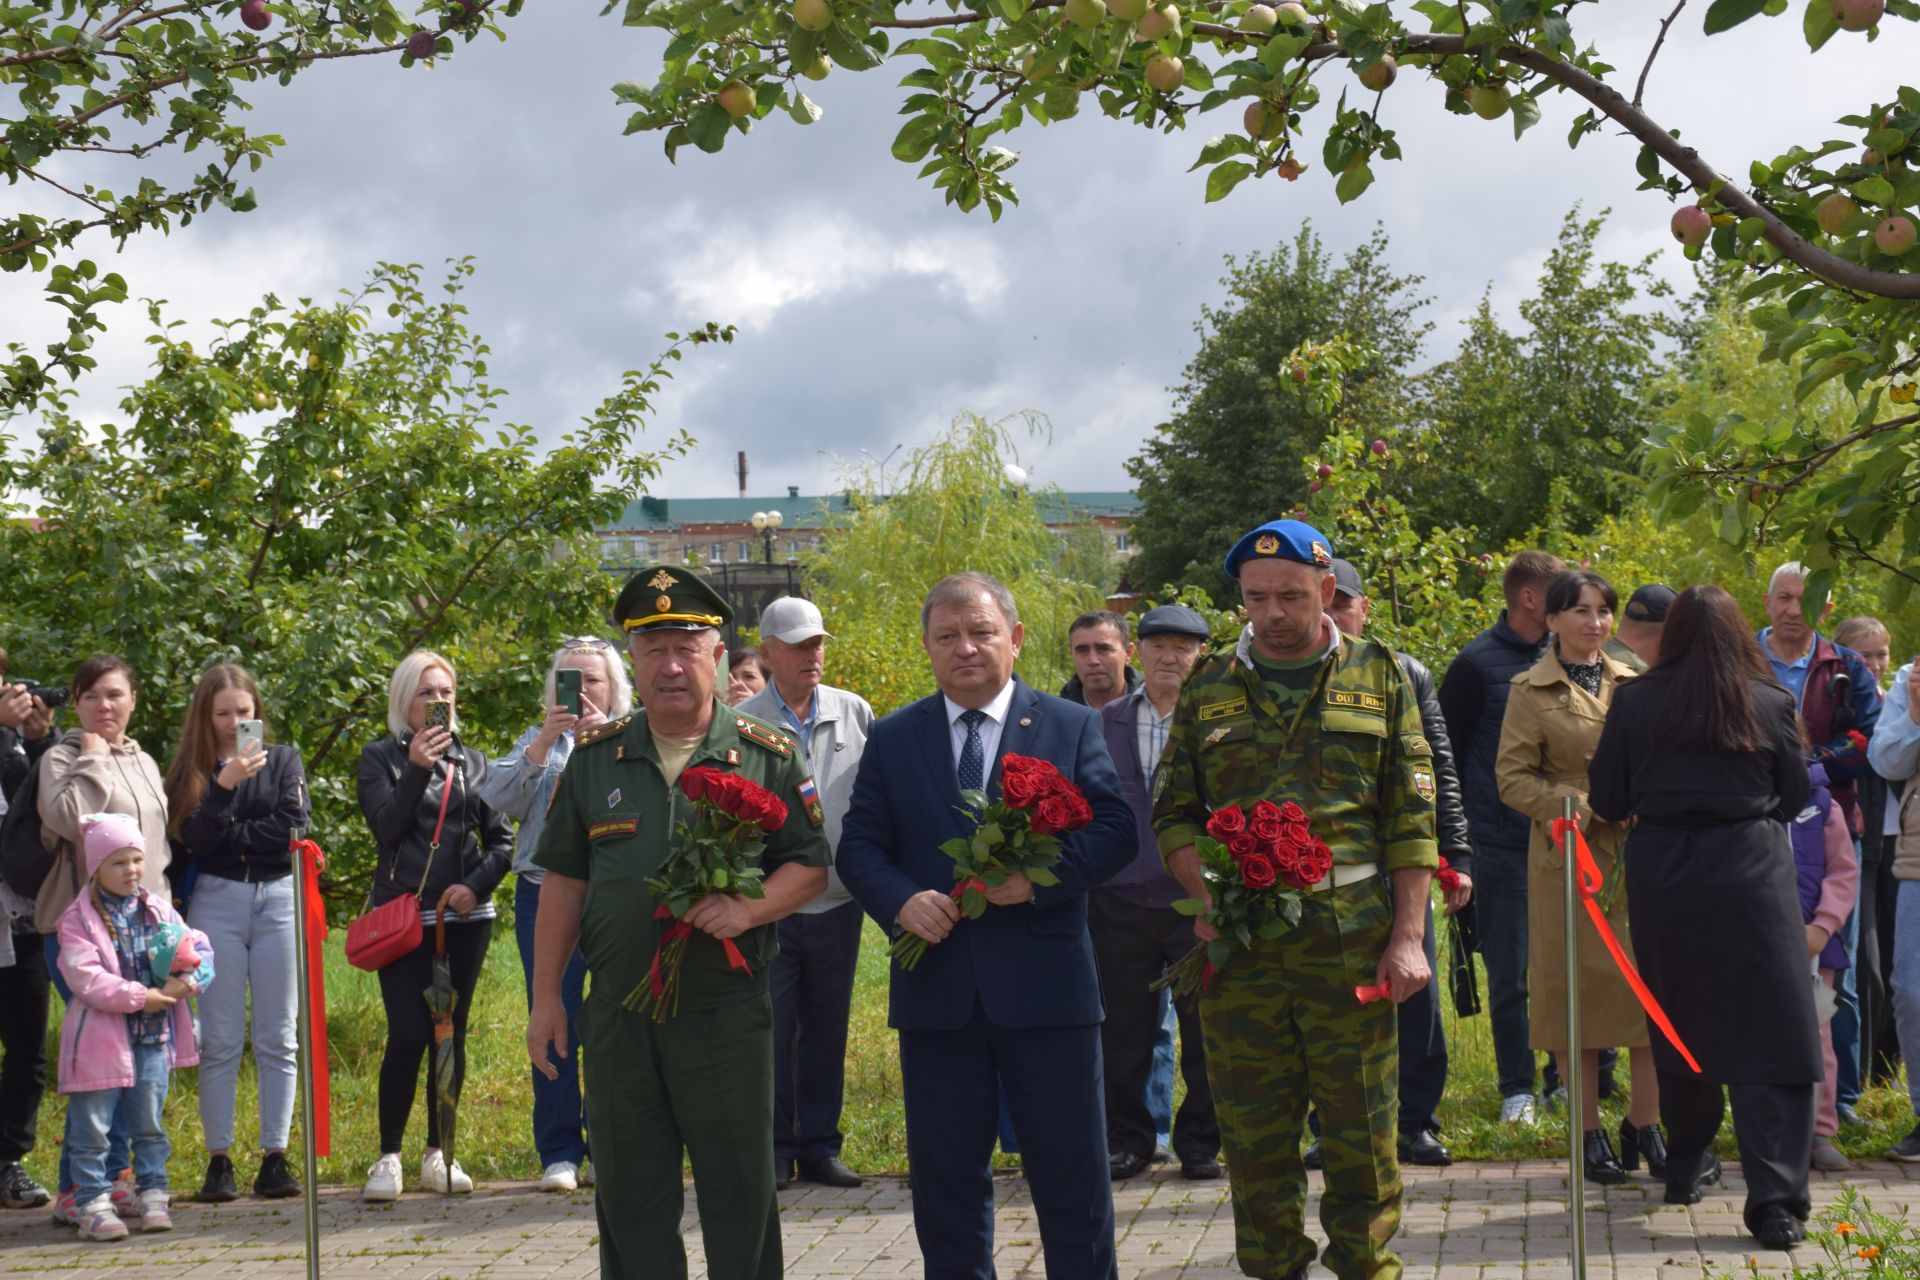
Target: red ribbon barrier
1367 995
1590 881
310 862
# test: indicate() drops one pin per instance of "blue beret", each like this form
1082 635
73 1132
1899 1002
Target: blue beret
1281 540
1173 620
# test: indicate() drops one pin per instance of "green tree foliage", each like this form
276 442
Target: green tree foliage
118 91
321 491
1564 398
1231 455
951 508
1825 231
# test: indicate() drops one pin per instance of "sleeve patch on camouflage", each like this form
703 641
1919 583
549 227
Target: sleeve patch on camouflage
1358 699
1415 745
1423 783
1221 710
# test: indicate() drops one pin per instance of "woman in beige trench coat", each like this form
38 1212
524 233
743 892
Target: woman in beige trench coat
1553 722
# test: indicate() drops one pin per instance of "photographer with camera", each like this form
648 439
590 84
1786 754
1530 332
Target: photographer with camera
26 731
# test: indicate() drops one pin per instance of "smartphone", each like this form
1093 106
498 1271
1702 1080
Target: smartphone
439 715
566 686
248 731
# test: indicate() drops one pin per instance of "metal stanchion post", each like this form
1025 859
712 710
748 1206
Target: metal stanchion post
1570 1068
304 989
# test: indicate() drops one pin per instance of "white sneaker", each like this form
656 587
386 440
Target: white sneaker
435 1175
383 1180
1518 1108
154 1215
561 1175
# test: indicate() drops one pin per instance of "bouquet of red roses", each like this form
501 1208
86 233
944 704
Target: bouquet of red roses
1256 866
1021 834
718 851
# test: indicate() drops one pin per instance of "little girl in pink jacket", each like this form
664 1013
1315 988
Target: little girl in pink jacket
128 1026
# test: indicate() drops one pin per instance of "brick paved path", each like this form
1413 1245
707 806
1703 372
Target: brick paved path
1471 1222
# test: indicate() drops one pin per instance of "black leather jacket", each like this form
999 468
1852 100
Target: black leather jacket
401 801
243 834
1449 810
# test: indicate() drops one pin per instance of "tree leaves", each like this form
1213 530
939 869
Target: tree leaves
1724 15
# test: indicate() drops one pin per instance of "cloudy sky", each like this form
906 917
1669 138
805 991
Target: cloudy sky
869 312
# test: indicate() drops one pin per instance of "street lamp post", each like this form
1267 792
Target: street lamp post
766 522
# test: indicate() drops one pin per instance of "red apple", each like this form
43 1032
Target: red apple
1894 235
421 44
1857 15
1379 448
254 14
735 98
1692 225
1315 487
1159 23
1323 470
1290 169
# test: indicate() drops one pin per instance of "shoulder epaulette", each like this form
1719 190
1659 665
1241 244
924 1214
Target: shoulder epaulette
600 733
772 739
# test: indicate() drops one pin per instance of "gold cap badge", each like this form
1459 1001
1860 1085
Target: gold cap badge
661 581
1266 544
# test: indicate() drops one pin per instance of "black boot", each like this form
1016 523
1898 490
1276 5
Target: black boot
1648 1142
1603 1166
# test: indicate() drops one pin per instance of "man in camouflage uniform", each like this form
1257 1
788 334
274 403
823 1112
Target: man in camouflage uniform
1299 712
699 1084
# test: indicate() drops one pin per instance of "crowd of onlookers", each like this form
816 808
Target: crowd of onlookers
1638 710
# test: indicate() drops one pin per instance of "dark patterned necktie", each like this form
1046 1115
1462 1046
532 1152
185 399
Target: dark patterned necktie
973 756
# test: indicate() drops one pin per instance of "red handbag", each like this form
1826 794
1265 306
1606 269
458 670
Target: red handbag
379 937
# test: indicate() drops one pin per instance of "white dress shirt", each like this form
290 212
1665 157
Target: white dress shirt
990 729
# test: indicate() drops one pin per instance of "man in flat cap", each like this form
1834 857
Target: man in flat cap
1297 713
1136 932
699 1084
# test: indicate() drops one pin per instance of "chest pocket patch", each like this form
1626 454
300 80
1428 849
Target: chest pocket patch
1342 719
1211 711
613 827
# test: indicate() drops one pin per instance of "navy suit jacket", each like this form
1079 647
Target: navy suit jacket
1029 965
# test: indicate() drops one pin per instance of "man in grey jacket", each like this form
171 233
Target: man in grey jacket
812 977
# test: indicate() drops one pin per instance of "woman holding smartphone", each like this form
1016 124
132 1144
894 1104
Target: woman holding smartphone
586 686
235 803
417 784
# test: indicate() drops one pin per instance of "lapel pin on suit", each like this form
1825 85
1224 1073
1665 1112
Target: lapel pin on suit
1025 721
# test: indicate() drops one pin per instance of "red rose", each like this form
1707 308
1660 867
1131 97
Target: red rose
1266 810
1052 816
1293 814
1082 811
693 782
1258 873
773 811
1316 863
1226 823
1243 846
1267 828
1021 790
1449 880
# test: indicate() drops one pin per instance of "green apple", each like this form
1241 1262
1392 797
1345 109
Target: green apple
812 15
1086 14
1834 213
1157 24
736 99
1264 120
818 68
1489 101
1259 18
1378 76
1166 73
1127 10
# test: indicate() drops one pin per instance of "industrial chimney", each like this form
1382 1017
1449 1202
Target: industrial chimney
742 464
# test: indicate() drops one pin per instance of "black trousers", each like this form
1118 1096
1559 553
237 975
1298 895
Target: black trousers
811 982
1132 946
403 986
23 1040
1879 1043
1772 1122
1423 1048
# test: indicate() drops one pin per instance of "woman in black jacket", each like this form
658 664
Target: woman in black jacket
233 814
407 782
1703 753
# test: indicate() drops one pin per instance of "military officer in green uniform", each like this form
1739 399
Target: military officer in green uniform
702 1081
1299 712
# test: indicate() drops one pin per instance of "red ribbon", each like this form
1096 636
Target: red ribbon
674 932
960 887
1367 995
1590 882
309 862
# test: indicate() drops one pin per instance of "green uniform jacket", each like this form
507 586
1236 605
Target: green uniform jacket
1355 758
611 822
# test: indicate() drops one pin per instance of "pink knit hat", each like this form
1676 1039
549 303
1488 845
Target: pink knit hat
106 834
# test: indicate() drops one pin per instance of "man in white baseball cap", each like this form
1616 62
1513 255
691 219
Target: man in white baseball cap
812 977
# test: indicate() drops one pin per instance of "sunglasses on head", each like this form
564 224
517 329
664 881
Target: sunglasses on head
585 642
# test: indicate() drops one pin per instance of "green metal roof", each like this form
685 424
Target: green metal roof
813 511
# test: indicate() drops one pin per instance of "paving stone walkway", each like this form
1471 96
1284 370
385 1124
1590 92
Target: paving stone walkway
1470 1222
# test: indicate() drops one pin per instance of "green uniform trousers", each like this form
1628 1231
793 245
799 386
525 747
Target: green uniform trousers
702 1081
1282 1027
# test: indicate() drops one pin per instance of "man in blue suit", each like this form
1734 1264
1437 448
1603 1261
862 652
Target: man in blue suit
1013 995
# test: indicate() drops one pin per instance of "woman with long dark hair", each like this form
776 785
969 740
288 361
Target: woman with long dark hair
234 807
1554 717
1703 756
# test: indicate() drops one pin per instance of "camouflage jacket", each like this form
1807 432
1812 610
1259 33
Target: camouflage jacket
1354 758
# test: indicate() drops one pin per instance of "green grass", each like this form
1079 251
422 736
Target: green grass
495 1129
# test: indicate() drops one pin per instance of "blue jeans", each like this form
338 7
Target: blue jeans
559 1113
1500 912
116 1132
92 1115
1846 1014
1160 1082
251 929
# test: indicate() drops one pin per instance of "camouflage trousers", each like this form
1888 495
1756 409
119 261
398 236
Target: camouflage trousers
1282 1027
